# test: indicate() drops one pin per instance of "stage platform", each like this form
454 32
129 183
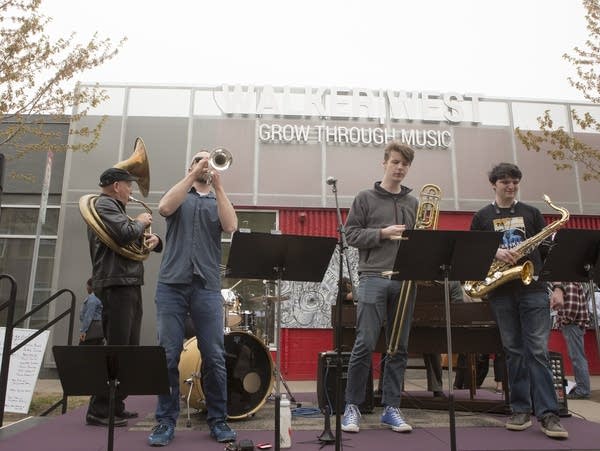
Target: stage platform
475 431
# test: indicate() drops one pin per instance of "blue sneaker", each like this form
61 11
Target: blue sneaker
222 433
351 418
161 435
392 417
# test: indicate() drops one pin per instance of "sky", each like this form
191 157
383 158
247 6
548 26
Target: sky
508 48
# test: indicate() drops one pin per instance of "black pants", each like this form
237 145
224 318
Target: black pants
122 321
482 366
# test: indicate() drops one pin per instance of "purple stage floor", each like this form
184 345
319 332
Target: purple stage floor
69 433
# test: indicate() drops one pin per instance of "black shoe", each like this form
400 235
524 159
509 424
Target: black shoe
438 394
550 424
127 414
93 420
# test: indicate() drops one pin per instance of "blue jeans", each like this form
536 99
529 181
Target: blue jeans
575 345
377 301
523 317
173 301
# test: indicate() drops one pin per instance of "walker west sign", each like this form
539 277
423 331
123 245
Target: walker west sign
350 104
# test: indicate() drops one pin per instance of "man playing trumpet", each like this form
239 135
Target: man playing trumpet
197 211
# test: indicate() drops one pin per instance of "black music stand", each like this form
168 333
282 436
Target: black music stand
108 370
279 257
446 255
574 256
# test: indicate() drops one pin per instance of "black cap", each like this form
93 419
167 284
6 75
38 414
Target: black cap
112 175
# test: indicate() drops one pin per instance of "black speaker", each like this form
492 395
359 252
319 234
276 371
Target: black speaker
326 378
558 376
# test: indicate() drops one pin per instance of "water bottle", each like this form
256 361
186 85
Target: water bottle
285 423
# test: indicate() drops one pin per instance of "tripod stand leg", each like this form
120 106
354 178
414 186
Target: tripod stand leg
287 388
190 382
111 413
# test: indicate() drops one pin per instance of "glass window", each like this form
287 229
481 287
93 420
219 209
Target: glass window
16 255
23 221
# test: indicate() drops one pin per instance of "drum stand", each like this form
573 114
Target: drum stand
190 381
267 307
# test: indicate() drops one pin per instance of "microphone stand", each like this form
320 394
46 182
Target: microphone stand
342 246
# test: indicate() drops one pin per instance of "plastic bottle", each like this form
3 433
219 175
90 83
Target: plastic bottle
285 423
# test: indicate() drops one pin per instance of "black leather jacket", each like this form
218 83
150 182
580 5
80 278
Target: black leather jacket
109 267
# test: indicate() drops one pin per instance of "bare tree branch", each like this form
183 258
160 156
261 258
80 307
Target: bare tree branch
563 148
37 79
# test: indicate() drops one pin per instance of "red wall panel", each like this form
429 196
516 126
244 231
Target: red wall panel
300 347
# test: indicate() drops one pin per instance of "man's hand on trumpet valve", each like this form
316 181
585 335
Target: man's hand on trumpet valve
145 218
393 232
151 240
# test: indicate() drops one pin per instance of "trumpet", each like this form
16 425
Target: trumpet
428 213
219 160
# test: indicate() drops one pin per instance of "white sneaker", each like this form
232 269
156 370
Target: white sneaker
351 418
392 417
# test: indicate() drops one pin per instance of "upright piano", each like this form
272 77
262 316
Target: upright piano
473 331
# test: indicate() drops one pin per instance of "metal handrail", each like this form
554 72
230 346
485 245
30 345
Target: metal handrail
11 324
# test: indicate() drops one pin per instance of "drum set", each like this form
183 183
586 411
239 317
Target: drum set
250 367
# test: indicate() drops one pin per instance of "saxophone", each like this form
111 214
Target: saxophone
501 272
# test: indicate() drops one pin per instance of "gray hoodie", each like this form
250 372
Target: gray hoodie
372 210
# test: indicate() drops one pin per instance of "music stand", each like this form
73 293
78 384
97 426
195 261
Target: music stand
108 370
574 256
278 257
446 255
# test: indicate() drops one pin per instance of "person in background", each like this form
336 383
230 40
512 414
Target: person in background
91 331
375 223
197 211
572 319
522 312
117 280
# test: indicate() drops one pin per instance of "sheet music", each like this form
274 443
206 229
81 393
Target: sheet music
24 368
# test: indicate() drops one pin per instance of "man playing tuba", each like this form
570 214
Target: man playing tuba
117 278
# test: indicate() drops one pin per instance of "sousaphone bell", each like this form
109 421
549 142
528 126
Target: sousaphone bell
138 166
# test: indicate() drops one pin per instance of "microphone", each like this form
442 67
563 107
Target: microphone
331 181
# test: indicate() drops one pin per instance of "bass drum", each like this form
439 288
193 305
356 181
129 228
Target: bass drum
190 383
249 374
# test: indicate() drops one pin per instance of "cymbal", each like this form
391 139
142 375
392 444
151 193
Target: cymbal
268 298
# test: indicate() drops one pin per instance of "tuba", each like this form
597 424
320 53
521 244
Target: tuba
428 213
501 272
138 166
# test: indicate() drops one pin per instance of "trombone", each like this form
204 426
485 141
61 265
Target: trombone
428 213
